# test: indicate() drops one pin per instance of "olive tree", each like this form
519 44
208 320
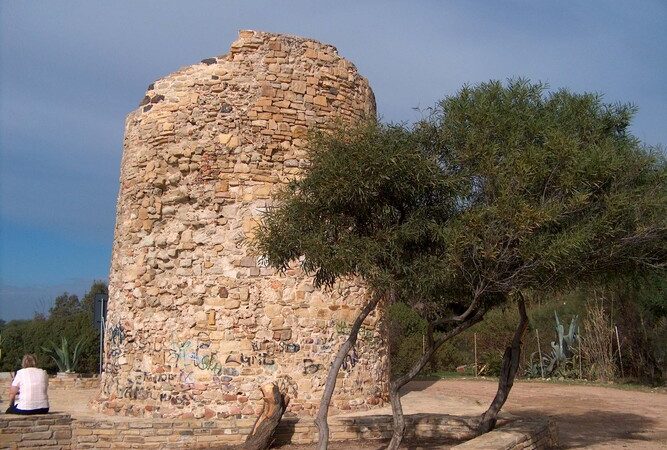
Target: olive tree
552 190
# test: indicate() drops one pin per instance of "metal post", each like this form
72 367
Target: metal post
620 357
101 342
581 372
539 351
475 337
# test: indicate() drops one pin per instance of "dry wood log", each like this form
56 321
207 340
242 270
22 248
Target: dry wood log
275 404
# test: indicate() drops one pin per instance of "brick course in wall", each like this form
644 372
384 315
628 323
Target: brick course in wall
74 383
178 433
43 432
196 323
62 383
60 431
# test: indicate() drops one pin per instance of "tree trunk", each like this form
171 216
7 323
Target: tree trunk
275 404
396 385
330 385
508 370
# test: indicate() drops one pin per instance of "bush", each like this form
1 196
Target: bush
637 307
69 318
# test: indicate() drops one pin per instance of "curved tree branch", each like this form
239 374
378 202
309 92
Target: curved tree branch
330 385
508 370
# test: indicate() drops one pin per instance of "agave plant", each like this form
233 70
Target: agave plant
561 354
61 355
563 348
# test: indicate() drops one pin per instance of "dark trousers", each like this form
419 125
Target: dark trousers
14 410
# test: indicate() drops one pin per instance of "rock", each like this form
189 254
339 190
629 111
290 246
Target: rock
232 304
224 138
198 301
247 261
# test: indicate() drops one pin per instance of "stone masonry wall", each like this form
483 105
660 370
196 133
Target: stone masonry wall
43 431
196 323
62 432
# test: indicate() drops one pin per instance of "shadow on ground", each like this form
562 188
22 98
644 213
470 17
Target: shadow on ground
418 385
596 427
380 444
436 431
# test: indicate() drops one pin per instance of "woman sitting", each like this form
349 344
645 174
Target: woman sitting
29 385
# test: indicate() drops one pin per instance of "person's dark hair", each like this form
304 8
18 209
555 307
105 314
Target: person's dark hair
29 361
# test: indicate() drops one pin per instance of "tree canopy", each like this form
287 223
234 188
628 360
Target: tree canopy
360 209
551 188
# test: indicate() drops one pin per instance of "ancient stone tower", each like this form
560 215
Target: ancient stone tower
195 323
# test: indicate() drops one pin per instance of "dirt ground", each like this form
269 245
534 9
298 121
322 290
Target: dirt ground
591 417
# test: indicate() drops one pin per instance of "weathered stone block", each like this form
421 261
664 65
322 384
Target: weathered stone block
37 435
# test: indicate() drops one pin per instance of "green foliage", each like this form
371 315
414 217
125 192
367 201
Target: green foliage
503 188
406 333
61 355
406 320
65 305
643 335
68 318
651 293
552 187
369 205
637 306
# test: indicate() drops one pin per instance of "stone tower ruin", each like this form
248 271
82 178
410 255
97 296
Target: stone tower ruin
195 323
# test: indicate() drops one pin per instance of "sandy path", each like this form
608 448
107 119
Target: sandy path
592 417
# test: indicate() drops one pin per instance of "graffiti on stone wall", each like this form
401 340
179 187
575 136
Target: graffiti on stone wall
115 348
178 353
271 347
196 352
185 357
133 388
365 336
327 345
350 360
262 359
117 333
310 367
186 377
289 347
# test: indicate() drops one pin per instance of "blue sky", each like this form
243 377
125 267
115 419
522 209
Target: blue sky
70 72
